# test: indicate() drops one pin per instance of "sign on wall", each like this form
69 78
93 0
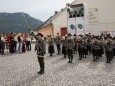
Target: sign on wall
93 15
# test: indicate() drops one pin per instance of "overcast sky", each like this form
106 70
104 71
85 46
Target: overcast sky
40 9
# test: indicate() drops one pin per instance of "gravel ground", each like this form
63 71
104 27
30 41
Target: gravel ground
21 70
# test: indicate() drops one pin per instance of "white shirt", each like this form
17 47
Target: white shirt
2 39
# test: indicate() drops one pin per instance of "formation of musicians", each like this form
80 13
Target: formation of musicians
83 45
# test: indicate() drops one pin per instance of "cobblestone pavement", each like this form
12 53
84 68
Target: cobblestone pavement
21 70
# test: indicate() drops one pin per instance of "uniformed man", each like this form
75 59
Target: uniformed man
113 46
70 47
108 49
80 47
89 45
100 47
94 48
40 48
75 43
64 49
51 45
84 43
58 42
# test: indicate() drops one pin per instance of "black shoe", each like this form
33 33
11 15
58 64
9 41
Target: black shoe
64 57
42 72
39 72
50 55
79 59
2 54
108 62
69 61
94 60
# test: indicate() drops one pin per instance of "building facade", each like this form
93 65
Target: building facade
100 18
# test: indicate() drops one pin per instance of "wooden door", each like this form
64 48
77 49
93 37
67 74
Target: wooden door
63 31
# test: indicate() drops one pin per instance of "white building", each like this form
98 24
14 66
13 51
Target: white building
101 16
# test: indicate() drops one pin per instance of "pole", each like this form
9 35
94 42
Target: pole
76 26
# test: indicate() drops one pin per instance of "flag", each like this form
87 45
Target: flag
71 26
80 25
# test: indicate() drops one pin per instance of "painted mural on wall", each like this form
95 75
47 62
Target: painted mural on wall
93 15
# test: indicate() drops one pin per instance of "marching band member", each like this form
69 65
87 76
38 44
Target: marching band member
75 42
64 50
113 46
108 49
80 47
94 48
84 47
51 45
70 47
58 42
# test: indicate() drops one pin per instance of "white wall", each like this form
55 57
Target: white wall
106 15
60 21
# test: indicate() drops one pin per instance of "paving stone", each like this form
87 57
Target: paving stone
21 70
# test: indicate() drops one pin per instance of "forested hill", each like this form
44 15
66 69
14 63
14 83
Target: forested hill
15 22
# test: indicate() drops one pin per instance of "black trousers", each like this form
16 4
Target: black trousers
28 45
70 54
80 51
2 48
41 63
58 48
95 54
15 46
109 55
89 49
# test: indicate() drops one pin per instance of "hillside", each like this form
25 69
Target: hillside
15 22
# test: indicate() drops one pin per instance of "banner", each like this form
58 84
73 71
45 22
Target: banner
77 19
80 25
71 26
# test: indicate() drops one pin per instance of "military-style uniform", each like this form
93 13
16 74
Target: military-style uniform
58 43
84 44
113 46
80 48
100 48
51 46
70 47
40 48
88 46
64 50
108 50
75 44
95 48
